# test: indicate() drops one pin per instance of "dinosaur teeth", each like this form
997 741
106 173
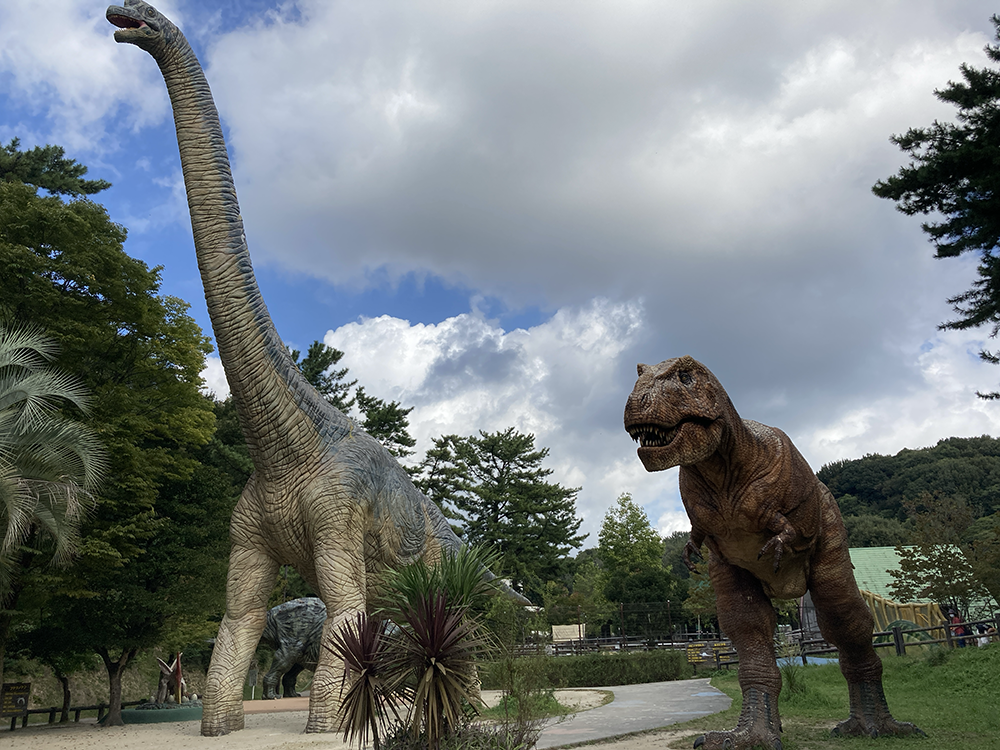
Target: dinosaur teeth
652 436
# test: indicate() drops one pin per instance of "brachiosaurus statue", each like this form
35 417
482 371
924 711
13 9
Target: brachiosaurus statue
773 531
325 496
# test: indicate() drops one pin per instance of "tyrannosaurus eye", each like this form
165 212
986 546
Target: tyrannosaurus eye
685 377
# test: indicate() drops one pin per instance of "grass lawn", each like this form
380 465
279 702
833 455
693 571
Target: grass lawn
953 696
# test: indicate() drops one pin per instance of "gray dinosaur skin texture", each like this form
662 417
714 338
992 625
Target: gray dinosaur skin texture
325 496
294 630
773 530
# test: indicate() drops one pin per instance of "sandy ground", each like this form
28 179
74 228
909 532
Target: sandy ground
274 730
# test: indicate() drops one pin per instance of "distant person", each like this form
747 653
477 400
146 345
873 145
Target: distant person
958 629
983 640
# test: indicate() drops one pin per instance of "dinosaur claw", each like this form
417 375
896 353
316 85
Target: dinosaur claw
699 742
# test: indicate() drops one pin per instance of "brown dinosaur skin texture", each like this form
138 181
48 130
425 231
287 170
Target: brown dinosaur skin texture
773 530
325 496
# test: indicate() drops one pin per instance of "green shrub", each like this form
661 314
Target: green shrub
598 670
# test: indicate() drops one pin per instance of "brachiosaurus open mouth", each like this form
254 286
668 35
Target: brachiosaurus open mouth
649 435
125 22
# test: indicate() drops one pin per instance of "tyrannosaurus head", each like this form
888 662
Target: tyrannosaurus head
676 413
141 24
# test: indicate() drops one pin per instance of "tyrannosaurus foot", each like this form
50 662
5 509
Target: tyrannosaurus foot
858 727
735 740
870 715
759 726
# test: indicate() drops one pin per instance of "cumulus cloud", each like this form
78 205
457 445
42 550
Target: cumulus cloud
944 404
713 160
62 63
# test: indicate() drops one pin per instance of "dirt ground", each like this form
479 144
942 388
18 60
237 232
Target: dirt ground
271 730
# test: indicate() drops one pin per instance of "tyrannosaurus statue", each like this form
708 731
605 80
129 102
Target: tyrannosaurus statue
325 496
773 530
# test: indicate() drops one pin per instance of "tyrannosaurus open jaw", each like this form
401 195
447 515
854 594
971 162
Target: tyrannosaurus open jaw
675 413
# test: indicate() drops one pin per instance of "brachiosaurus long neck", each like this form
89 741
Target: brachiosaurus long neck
282 416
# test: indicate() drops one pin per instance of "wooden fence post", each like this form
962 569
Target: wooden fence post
897 637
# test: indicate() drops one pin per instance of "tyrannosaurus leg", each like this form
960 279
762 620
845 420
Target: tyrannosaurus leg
747 618
251 577
846 622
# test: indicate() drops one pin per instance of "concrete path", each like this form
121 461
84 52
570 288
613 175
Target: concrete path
638 707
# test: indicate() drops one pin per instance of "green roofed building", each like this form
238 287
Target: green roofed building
871 571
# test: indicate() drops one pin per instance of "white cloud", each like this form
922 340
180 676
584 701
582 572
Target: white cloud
214 376
943 405
62 62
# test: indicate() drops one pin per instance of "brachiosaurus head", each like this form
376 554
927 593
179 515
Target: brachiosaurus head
143 25
677 413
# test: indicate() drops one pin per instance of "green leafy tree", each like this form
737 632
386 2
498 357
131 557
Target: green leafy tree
631 552
387 422
628 543
46 167
443 478
140 355
701 601
879 485
319 368
49 464
497 484
952 174
936 567
869 530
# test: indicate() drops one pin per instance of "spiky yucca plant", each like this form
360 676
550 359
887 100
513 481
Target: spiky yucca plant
374 686
462 576
437 647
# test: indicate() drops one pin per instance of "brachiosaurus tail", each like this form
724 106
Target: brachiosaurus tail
292 419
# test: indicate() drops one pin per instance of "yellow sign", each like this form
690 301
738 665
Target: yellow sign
14 698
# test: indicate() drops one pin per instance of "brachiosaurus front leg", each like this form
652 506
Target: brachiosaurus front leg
747 617
251 578
340 570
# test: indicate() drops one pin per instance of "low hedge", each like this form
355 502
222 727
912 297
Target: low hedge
596 670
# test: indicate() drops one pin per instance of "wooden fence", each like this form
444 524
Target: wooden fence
719 652
101 708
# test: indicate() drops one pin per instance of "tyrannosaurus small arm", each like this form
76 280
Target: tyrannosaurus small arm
773 530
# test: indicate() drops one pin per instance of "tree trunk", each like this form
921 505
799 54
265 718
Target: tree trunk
64 716
115 669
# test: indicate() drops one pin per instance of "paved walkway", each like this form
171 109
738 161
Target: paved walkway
638 707
635 708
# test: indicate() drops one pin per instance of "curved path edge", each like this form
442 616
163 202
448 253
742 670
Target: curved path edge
637 708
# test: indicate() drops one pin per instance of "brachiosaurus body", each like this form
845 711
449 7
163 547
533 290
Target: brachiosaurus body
773 530
325 496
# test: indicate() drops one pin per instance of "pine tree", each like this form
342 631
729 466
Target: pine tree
497 483
953 173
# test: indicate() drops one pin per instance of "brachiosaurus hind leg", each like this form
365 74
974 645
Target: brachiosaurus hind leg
846 622
747 618
340 572
251 578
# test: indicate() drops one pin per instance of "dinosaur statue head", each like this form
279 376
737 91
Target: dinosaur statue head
677 413
141 24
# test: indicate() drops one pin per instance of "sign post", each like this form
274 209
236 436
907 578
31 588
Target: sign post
14 701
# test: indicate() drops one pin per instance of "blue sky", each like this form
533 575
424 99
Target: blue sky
496 209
